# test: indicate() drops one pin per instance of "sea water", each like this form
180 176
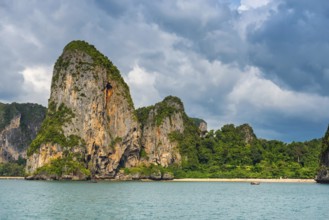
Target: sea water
21 199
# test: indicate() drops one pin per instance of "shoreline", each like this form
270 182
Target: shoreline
247 180
232 180
12 178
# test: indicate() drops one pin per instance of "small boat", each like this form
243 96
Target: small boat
254 183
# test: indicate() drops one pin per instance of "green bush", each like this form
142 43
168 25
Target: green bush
63 166
12 169
51 129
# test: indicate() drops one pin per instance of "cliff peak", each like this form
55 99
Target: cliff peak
81 61
80 45
89 49
247 133
161 110
174 102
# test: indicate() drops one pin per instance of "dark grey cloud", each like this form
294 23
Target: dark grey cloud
262 63
292 45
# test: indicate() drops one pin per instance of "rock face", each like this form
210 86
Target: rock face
92 107
323 174
19 124
92 129
202 125
247 133
158 122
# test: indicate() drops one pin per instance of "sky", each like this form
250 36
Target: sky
261 62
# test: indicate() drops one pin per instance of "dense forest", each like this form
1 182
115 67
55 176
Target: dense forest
235 152
14 168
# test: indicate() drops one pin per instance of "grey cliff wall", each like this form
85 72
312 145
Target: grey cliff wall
19 124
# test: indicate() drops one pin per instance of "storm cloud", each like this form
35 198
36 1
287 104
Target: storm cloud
257 62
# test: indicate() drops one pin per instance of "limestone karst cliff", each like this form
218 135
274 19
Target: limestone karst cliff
19 124
158 122
323 174
92 129
246 132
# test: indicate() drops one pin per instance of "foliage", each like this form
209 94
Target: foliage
30 113
160 110
197 121
67 165
166 108
143 114
7 113
143 154
15 168
51 129
98 60
229 153
235 152
188 143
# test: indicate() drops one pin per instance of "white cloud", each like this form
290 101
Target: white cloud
246 5
264 95
36 85
252 14
142 87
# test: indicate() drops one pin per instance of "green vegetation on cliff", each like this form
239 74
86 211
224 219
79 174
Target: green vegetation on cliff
160 110
30 114
67 165
51 129
98 60
197 121
7 113
143 114
14 168
188 143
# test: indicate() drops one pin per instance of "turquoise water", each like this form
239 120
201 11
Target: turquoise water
21 199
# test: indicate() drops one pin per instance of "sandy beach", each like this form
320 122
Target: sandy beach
246 180
11 177
211 180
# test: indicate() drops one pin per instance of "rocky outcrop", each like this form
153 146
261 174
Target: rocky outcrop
154 175
92 114
323 174
158 123
92 129
247 133
202 125
19 124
